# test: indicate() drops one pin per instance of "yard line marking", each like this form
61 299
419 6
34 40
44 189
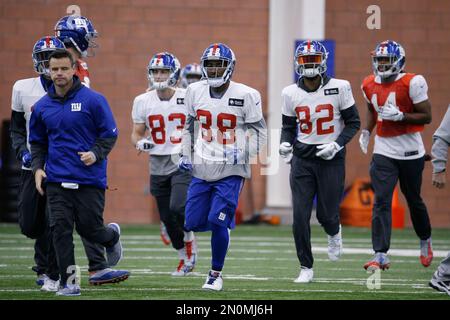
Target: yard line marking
246 239
315 249
380 291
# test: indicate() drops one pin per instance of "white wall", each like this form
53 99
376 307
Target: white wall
288 20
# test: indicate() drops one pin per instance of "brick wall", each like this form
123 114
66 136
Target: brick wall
422 27
131 31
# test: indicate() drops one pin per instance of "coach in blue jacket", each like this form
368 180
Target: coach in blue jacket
72 130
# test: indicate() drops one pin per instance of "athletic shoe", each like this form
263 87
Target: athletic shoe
183 269
191 255
40 281
440 285
69 291
306 275
426 252
108 276
335 246
213 281
50 285
163 233
379 261
114 253
179 271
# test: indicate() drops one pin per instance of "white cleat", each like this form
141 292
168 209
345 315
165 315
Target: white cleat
335 246
50 285
213 281
179 271
306 275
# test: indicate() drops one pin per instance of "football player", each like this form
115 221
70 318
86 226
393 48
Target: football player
399 108
163 113
189 74
32 209
227 114
319 118
78 34
441 141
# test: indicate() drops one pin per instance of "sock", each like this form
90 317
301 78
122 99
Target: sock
188 236
182 253
220 239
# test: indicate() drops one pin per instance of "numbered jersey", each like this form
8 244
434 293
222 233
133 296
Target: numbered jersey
25 94
395 139
82 72
222 121
319 112
164 119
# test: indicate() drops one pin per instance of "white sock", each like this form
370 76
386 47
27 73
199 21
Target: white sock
188 236
182 253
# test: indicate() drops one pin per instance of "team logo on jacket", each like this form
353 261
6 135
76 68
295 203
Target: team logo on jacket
331 91
76 106
236 102
180 100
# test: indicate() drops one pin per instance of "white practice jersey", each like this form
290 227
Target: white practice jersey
222 121
164 119
319 112
407 146
25 94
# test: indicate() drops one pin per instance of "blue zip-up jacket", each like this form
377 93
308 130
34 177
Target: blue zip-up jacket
60 127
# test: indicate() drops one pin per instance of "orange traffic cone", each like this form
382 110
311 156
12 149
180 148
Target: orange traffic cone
398 211
238 214
356 208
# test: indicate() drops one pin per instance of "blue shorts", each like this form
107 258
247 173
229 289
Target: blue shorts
212 202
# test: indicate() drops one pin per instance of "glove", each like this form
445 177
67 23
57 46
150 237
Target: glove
328 150
185 164
26 159
364 139
144 145
391 112
234 156
286 151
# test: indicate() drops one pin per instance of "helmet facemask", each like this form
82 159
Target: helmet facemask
163 61
311 65
159 85
386 66
217 71
41 62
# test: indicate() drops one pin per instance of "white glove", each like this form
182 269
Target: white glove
391 112
286 152
364 139
328 150
144 145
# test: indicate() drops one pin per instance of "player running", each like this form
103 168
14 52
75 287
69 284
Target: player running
78 34
163 113
398 106
319 118
228 114
32 209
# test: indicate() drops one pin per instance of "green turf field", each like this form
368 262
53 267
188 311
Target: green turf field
261 264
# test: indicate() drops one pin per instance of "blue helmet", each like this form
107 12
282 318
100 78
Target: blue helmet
222 53
310 59
191 73
41 52
392 56
164 60
78 32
